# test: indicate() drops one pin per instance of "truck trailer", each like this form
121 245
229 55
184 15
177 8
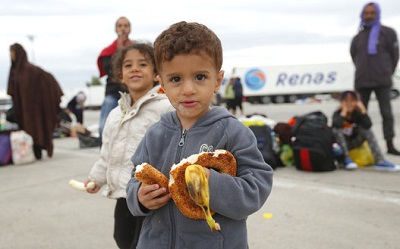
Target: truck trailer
279 84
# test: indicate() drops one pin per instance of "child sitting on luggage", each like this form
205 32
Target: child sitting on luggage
351 126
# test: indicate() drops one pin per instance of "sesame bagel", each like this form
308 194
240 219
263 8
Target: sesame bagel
147 174
220 160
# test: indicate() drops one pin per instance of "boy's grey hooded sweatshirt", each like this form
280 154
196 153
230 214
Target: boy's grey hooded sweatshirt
232 198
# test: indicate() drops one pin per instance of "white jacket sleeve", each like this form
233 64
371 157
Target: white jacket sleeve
98 173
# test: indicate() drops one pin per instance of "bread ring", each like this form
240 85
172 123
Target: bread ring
220 160
147 174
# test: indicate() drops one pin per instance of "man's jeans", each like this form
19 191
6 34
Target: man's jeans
109 103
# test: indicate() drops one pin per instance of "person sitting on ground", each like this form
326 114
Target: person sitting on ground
76 105
351 126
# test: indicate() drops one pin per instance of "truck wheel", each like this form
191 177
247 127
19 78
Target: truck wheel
265 100
292 98
394 93
251 100
279 99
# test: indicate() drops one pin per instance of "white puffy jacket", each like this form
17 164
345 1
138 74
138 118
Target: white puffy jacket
124 129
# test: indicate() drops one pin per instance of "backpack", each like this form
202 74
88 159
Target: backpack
312 143
265 143
87 141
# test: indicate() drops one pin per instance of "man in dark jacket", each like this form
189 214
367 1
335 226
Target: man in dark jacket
375 54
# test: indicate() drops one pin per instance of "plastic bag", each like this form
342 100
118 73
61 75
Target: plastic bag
22 147
362 155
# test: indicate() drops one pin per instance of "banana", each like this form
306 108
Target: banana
197 184
80 185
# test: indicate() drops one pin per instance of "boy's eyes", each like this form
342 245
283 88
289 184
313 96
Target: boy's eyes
175 79
199 77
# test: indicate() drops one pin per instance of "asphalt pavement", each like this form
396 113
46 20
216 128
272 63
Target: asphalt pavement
339 209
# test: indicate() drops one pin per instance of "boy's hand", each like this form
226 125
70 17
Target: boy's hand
343 110
123 40
152 196
207 170
361 107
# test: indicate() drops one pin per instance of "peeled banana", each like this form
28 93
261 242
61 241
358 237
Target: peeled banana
197 184
80 185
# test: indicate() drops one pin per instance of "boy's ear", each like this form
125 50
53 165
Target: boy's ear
218 83
159 80
120 76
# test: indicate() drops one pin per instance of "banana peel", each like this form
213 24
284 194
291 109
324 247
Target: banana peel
197 185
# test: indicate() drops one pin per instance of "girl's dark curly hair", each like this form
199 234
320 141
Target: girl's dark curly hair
118 58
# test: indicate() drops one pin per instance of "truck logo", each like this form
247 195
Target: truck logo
306 78
255 79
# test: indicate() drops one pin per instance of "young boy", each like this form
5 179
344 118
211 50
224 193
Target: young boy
189 59
351 127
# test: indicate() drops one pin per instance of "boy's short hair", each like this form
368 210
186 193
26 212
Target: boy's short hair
184 38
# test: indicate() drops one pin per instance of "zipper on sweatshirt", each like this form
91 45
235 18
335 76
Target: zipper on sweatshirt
171 212
182 141
180 145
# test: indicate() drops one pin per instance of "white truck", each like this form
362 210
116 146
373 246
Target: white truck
279 84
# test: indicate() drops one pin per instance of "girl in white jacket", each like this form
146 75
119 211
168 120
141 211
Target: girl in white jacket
124 129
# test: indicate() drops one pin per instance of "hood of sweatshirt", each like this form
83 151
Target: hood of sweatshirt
215 114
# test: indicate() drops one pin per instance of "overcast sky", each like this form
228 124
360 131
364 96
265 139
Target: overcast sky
69 34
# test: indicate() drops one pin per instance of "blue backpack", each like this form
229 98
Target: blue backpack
265 143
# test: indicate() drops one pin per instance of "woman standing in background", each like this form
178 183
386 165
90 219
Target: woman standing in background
36 97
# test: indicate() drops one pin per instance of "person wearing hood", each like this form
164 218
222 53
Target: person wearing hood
36 97
375 54
189 58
